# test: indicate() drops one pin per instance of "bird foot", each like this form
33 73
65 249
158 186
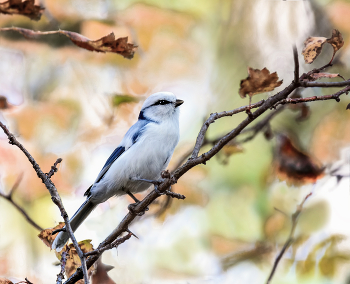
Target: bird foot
132 209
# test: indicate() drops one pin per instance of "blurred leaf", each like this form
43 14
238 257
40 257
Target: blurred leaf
46 235
313 217
302 107
293 165
105 44
306 267
257 254
25 8
100 275
274 224
3 103
122 99
258 81
231 148
5 281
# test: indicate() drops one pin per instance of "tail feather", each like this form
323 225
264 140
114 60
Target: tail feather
78 218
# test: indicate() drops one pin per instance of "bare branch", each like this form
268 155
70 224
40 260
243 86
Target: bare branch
9 198
324 84
290 239
334 96
54 196
114 244
296 65
60 276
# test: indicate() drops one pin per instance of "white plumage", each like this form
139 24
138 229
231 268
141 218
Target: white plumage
144 153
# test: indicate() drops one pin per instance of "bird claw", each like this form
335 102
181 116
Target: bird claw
132 206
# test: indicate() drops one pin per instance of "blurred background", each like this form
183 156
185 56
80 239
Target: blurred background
63 101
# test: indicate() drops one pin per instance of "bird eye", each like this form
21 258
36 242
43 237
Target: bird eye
162 102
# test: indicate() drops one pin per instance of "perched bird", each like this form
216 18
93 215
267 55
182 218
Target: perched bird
144 153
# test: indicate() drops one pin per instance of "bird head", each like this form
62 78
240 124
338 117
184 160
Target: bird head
160 106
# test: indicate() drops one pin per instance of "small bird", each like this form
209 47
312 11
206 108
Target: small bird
142 155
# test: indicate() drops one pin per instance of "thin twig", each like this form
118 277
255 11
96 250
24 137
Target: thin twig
334 96
290 239
60 276
9 198
54 196
54 168
296 65
114 244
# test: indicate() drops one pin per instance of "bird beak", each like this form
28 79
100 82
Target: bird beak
178 103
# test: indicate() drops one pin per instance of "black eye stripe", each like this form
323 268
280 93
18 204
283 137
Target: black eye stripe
161 102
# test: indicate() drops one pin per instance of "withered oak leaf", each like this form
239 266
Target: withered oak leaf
258 81
294 165
46 235
105 44
26 8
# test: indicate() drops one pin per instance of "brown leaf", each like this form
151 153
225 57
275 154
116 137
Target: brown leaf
293 165
258 81
105 44
46 235
316 76
5 281
100 276
336 41
73 260
312 48
24 8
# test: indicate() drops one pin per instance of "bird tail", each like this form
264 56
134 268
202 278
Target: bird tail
78 218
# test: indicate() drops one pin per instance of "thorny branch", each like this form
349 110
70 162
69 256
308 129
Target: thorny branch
9 198
60 276
54 195
290 239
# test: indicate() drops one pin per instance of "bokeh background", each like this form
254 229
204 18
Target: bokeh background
63 101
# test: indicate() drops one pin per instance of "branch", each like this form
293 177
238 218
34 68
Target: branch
334 96
60 276
54 168
54 195
324 84
9 198
296 65
290 239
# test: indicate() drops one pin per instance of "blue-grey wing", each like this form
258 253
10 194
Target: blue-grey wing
130 138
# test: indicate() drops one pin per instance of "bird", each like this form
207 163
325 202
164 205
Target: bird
142 155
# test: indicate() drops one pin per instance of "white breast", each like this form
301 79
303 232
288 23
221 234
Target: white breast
145 159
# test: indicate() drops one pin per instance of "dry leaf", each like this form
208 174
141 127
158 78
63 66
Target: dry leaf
316 76
20 7
105 44
313 46
336 41
73 260
3 103
258 81
46 235
5 281
293 165
231 148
